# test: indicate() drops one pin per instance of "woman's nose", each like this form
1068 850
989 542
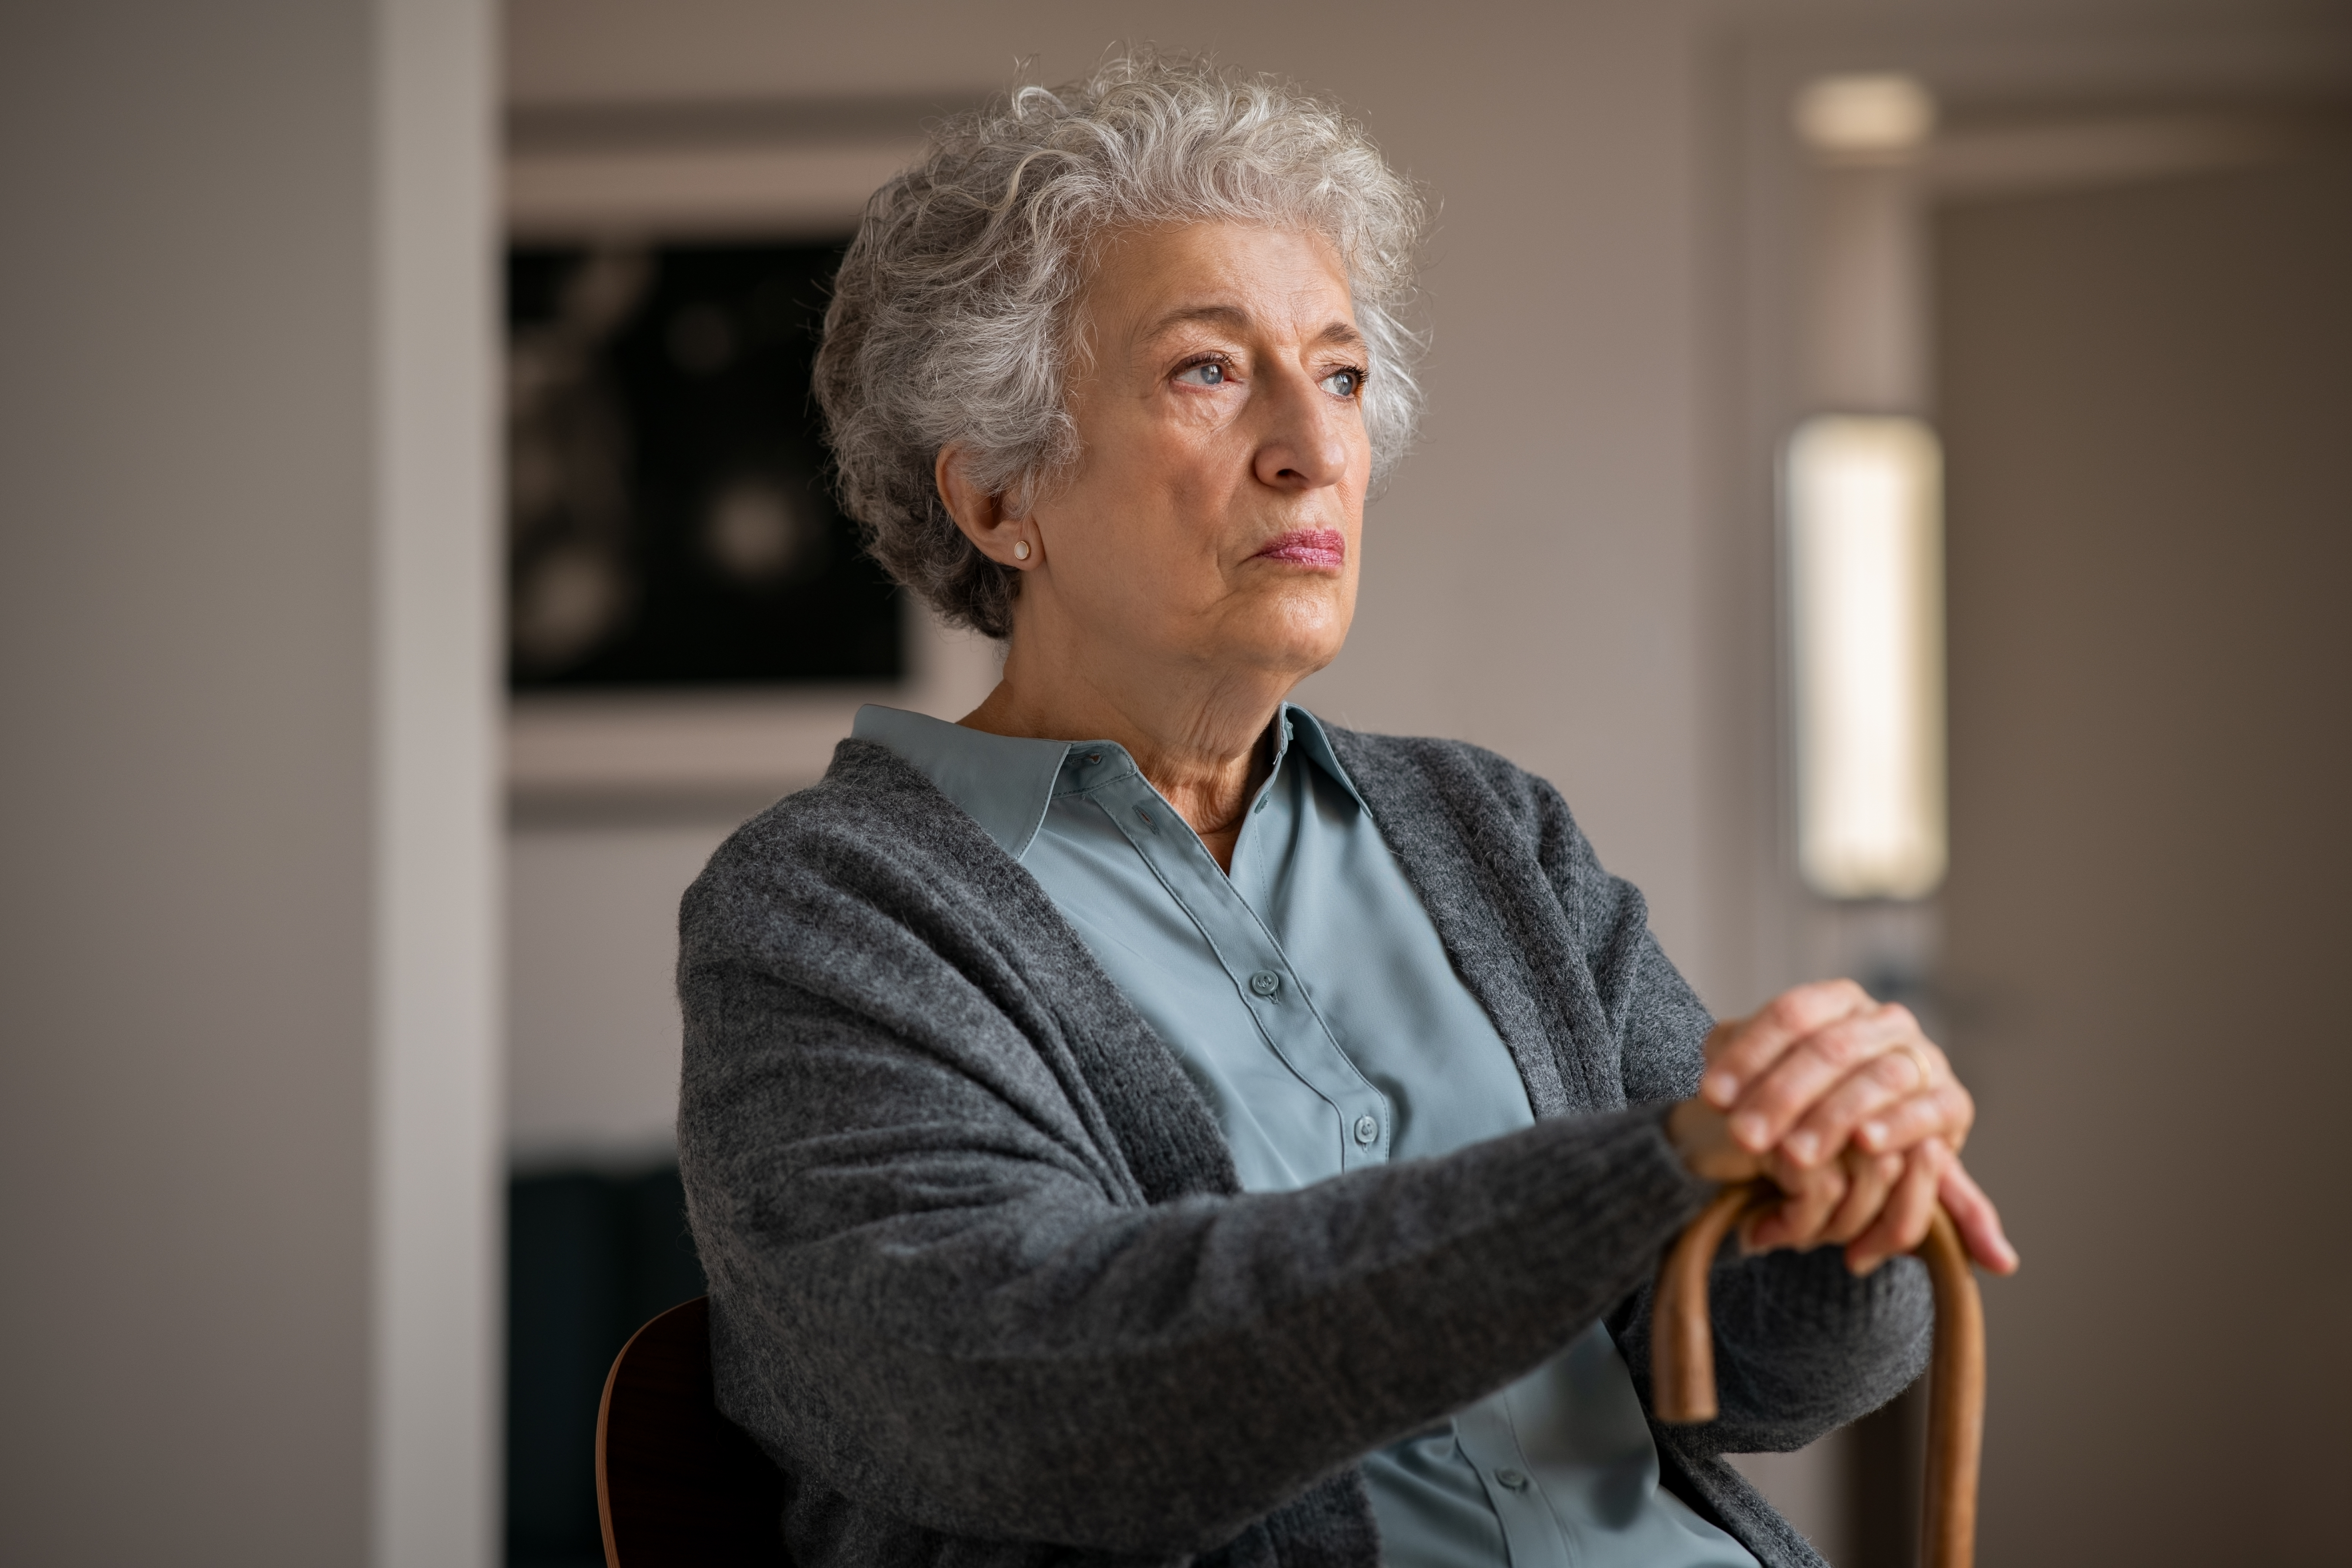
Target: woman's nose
1305 446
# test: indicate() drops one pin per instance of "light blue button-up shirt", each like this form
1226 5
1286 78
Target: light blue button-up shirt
1309 999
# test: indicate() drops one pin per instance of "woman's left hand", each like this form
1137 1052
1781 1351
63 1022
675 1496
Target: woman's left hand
1853 1113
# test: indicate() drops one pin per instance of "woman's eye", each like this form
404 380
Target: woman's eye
1209 373
1344 383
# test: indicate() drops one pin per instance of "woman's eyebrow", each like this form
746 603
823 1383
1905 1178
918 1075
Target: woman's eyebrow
1238 320
1232 316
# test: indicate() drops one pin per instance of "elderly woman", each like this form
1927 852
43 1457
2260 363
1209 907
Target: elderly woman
1144 1121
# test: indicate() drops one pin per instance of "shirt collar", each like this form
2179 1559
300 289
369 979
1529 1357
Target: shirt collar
1316 745
1004 783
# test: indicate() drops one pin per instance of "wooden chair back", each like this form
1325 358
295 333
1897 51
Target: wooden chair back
1682 1363
677 1484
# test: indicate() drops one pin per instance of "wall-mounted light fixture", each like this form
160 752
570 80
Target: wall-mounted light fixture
1864 501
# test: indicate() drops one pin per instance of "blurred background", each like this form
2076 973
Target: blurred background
1888 464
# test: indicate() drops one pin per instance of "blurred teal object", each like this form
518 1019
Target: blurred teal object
590 1256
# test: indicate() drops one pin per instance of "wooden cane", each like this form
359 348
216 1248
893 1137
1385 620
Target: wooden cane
1682 1363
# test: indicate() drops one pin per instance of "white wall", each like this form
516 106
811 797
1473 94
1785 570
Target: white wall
593 1024
246 1031
435 565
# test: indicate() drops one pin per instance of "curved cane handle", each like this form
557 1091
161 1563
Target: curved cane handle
1682 1363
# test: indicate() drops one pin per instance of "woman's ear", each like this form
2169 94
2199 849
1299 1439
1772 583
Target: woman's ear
1008 540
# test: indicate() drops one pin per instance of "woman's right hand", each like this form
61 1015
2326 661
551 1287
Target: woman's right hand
1853 1113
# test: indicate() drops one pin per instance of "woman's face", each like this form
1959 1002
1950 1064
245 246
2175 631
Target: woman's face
1214 516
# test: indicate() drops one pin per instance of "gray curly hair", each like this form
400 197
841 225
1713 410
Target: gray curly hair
954 316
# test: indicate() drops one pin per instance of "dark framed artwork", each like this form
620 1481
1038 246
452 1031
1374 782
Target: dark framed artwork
670 523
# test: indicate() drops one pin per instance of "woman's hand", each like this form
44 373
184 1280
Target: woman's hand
1853 1113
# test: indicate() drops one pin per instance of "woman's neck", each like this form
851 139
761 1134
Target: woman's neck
1199 736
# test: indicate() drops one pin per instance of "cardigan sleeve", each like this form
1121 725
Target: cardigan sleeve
1801 1345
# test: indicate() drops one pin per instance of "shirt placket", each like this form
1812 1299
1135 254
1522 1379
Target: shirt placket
1491 1443
1259 968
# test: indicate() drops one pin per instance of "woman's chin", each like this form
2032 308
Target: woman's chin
1295 635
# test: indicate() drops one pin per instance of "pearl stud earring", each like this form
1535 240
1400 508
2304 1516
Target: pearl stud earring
1021 549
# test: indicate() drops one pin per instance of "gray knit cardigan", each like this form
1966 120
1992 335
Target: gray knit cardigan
984 1283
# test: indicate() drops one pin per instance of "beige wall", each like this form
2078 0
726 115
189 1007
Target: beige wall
246 1065
2148 392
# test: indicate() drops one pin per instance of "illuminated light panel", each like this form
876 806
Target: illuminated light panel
1865 115
1865 537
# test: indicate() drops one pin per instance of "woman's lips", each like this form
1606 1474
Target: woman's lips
1308 547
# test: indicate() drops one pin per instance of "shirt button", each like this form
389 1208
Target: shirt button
1511 1479
1265 983
1368 1130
